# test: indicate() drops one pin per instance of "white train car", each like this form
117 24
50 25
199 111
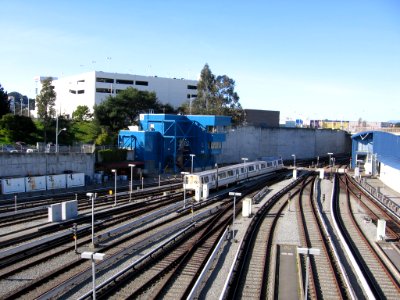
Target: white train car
201 183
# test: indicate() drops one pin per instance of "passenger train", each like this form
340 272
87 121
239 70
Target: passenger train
201 183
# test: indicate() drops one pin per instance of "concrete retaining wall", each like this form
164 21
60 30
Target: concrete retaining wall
253 143
37 164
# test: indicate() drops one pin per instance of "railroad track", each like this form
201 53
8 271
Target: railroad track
60 274
36 210
326 280
255 267
381 281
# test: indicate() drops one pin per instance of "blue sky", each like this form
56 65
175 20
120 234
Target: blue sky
307 59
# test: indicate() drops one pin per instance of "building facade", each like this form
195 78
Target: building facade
176 142
94 87
377 153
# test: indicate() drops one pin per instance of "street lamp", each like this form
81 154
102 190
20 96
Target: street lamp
308 252
192 155
93 256
317 161
294 160
115 188
330 154
130 186
244 160
57 133
92 196
234 194
330 164
184 189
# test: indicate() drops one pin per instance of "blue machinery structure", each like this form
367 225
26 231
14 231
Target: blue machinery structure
166 142
371 148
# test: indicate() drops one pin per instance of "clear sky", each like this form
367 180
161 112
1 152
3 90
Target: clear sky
308 59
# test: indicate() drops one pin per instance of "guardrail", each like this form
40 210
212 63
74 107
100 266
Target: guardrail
374 192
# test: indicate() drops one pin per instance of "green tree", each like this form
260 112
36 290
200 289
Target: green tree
82 113
205 92
4 103
45 103
18 128
116 113
85 131
216 96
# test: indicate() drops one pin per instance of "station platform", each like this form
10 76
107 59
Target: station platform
381 188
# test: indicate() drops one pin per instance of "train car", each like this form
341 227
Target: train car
201 183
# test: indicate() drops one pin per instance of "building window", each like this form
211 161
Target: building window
118 91
103 90
123 81
215 145
105 80
81 80
72 91
138 82
81 91
192 87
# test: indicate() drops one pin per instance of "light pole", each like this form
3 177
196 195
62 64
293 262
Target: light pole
130 186
184 188
57 133
93 256
308 252
330 155
244 161
191 169
234 194
294 160
115 187
330 163
317 161
92 197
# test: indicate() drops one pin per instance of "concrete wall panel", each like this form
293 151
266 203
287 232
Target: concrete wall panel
253 142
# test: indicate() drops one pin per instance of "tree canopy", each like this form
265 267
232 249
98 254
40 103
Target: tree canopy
18 128
81 113
45 103
4 103
116 113
215 96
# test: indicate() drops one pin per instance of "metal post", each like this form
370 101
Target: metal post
115 186
131 183
91 195
234 194
15 203
142 183
306 284
93 256
57 134
159 180
75 231
191 169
